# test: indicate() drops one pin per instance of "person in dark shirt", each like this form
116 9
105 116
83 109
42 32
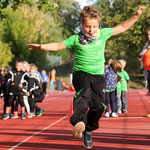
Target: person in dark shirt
35 94
4 91
15 89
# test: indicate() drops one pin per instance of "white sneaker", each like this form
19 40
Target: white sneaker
114 115
107 114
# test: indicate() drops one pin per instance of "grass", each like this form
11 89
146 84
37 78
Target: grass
136 81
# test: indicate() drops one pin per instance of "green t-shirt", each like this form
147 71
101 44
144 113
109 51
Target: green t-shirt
122 84
90 57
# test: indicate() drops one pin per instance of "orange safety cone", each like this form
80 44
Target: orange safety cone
71 89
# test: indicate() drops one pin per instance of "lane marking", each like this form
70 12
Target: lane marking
124 118
37 133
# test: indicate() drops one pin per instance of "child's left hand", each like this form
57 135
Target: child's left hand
20 85
140 10
28 93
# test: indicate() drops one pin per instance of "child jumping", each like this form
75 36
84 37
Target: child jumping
88 69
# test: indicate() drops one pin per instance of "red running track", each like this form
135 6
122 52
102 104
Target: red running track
52 131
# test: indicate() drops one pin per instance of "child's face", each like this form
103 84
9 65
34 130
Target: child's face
43 72
32 71
19 66
148 35
90 26
24 68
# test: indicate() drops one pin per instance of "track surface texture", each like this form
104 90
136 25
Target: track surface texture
53 131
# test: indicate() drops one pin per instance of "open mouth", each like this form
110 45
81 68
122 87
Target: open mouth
90 34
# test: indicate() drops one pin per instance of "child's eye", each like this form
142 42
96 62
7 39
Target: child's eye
95 27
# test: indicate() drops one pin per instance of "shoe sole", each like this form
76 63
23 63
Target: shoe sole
16 117
78 129
87 147
29 117
115 117
23 118
106 116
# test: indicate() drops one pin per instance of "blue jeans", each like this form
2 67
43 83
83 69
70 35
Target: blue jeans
52 85
119 104
111 101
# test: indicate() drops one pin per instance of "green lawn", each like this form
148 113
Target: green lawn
136 81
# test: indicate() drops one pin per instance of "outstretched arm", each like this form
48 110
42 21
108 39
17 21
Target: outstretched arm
48 47
128 23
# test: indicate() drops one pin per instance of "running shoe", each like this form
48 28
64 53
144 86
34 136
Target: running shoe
15 115
23 116
40 113
87 139
78 129
33 114
148 115
6 116
107 114
29 115
125 111
12 116
114 115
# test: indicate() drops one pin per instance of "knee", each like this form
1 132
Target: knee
85 92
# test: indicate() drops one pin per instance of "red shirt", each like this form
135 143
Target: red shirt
147 59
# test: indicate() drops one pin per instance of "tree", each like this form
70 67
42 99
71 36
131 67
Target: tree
66 14
6 54
40 21
127 45
26 25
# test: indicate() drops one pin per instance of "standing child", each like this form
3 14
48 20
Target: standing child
44 79
53 79
111 84
88 69
5 92
35 94
123 88
25 69
15 89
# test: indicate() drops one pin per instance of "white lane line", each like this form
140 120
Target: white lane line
37 133
125 118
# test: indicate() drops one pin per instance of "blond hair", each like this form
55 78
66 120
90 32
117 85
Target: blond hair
33 66
123 62
89 12
26 65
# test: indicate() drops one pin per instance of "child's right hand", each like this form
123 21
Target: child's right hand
20 85
12 83
2 98
34 46
28 93
140 10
